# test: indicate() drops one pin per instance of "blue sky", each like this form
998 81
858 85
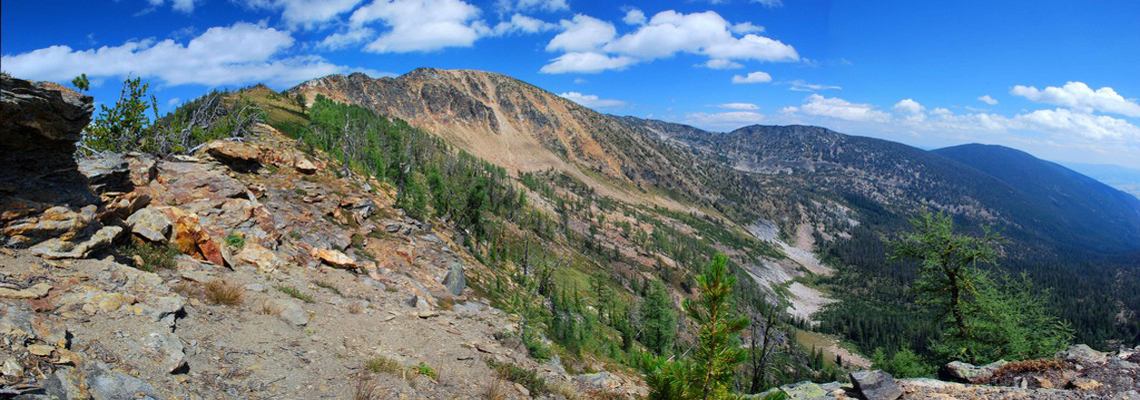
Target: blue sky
1055 78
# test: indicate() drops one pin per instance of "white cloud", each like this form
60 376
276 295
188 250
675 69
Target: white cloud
353 36
912 111
420 25
590 100
579 80
801 86
582 33
770 3
746 27
707 33
586 63
988 100
1069 122
522 24
720 63
237 54
739 106
306 14
730 120
908 106
669 33
634 17
752 77
1081 97
505 6
838 108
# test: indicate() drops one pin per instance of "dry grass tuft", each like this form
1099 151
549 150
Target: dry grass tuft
381 364
366 388
496 390
221 292
268 308
447 303
356 307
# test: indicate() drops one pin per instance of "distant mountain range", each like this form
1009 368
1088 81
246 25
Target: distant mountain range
794 176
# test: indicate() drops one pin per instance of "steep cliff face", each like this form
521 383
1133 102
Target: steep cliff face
518 126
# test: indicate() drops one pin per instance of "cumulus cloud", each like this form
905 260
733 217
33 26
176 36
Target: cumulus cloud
1079 96
592 101
420 25
236 54
721 120
834 107
911 110
739 106
582 33
305 14
522 24
988 100
634 17
752 77
1083 124
586 63
669 33
341 40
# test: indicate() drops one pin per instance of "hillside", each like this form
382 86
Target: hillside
1084 207
520 127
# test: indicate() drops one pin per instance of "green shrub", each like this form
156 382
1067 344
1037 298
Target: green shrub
295 293
425 370
527 378
153 256
235 241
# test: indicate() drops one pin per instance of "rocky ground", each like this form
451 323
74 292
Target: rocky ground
250 270
1077 373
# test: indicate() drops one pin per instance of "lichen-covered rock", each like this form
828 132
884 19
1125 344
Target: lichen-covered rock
1083 354
876 385
968 373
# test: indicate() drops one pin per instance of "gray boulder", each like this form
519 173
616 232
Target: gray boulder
106 172
958 371
455 279
876 385
1082 354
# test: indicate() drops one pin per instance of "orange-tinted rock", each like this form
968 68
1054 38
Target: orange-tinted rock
335 258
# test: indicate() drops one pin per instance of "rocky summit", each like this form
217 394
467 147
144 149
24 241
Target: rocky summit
275 262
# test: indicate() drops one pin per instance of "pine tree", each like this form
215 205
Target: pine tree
988 318
718 353
659 321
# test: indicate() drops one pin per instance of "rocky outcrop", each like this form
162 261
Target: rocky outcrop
40 122
1076 373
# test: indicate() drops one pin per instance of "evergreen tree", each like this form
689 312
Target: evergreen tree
80 82
987 319
659 321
